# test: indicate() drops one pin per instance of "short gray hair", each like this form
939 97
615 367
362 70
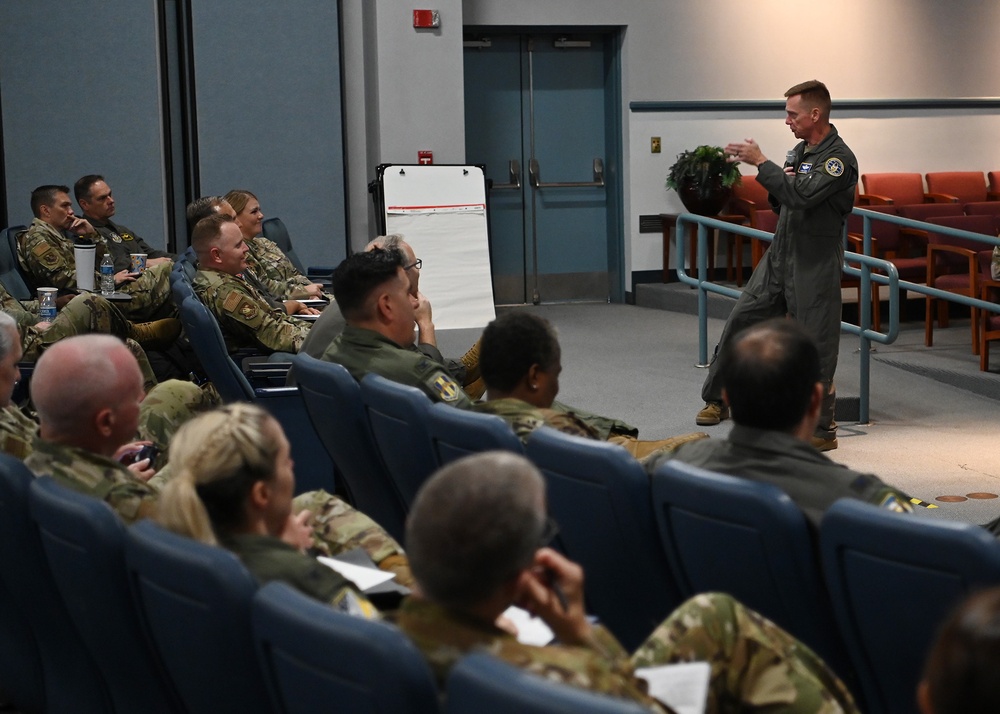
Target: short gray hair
475 524
393 240
8 334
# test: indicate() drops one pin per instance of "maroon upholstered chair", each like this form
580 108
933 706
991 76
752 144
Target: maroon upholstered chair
964 186
897 189
957 265
989 327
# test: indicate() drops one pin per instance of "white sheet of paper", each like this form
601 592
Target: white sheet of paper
683 686
530 630
363 578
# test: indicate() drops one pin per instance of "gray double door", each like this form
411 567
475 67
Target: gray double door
541 115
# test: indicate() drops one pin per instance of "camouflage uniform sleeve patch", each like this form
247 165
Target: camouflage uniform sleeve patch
242 308
46 255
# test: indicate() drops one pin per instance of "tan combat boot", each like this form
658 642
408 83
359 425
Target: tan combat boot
157 335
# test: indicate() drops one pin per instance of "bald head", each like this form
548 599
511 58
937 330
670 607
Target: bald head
87 390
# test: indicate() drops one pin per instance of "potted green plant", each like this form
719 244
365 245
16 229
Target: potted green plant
703 179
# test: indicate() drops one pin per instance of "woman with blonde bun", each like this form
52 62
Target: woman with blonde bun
233 487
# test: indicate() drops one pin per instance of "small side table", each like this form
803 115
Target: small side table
669 221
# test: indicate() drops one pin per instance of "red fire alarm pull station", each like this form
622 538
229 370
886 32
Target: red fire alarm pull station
425 158
426 18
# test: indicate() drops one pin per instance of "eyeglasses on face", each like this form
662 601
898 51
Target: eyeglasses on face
418 263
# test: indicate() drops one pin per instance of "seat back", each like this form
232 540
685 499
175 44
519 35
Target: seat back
893 578
84 542
981 223
209 346
481 683
71 681
458 432
599 496
398 416
333 401
749 539
966 186
275 231
978 208
885 234
926 211
11 276
993 180
317 659
903 188
748 195
194 602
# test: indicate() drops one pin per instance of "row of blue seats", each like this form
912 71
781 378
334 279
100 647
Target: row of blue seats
647 545
98 617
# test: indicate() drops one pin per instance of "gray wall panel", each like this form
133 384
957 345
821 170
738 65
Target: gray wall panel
267 84
80 91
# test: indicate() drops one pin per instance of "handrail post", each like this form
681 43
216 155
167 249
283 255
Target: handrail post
864 378
702 295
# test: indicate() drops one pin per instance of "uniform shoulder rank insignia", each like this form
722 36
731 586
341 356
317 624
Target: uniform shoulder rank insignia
127 236
834 166
445 387
805 167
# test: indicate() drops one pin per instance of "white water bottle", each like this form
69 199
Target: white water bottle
107 275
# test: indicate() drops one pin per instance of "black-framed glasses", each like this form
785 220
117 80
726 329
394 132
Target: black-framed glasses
418 263
549 532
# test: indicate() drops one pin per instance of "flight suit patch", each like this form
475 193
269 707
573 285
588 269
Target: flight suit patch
892 503
834 167
127 236
805 167
446 388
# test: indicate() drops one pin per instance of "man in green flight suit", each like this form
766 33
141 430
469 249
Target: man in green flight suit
800 273
372 291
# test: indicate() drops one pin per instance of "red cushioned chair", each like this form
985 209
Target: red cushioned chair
898 189
983 208
993 180
964 186
957 265
989 328
750 200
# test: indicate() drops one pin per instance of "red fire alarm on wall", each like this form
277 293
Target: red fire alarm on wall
426 158
426 18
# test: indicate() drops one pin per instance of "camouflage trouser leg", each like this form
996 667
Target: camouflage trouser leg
755 664
81 315
338 527
167 406
148 378
643 449
151 299
604 426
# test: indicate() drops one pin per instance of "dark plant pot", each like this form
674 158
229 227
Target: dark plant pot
705 199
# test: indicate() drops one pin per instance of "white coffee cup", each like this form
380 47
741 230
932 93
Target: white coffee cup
85 255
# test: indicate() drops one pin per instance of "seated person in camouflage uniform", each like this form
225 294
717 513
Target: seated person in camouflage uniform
233 487
247 316
17 430
268 262
372 291
771 383
98 205
47 255
476 546
521 360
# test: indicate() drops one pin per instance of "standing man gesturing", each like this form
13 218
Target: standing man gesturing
799 275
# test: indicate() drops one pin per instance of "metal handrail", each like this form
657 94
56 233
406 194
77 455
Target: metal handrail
888 275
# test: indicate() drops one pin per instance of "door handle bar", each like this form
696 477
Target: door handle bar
514 167
534 176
